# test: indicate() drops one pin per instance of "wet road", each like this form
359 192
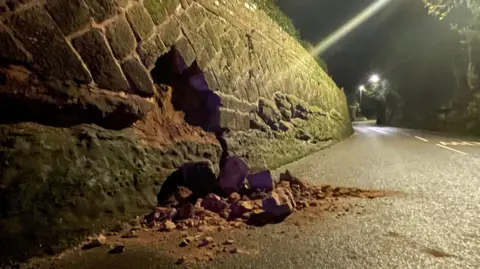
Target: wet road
434 223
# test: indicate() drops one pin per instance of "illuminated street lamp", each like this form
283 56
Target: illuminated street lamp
361 89
374 78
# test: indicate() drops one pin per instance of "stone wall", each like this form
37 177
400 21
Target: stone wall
87 137
114 44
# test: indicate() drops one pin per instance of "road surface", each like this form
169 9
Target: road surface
433 223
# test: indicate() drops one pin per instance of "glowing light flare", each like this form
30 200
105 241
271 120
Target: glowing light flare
374 78
366 14
361 88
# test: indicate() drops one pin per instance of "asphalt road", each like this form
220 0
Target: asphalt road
433 223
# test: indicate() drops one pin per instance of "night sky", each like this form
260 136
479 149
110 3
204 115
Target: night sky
399 35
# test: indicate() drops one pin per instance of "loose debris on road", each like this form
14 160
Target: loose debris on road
194 198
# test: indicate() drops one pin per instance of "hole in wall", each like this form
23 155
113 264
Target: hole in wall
190 91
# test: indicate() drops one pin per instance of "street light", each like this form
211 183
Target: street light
374 78
361 89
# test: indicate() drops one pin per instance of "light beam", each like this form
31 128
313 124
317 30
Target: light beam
356 21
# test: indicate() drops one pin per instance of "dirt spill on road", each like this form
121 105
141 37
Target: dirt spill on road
202 235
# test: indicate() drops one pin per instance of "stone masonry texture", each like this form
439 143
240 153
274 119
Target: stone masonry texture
94 50
82 120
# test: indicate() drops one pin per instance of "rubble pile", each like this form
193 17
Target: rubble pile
235 198
193 197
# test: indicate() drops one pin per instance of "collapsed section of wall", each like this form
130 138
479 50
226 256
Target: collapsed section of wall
114 44
88 132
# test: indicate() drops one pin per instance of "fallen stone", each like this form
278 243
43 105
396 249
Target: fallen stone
186 211
293 180
130 234
190 239
241 207
302 204
95 242
234 197
233 250
168 226
184 243
181 260
280 204
164 213
206 241
256 195
229 241
261 181
233 175
214 203
283 184
224 215
117 249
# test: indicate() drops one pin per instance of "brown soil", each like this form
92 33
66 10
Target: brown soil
164 126
185 245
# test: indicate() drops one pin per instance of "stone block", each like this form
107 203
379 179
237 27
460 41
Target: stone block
211 80
171 5
214 203
170 32
279 204
156 10
186 3
269 112
206 42
105 9
191 31
242 121
197 14
138 77
10 49
232 175
186 50
234 36
121 37
44 40
227 50
150 50
70 16
141 22
222 81
203 59
212 35
285 126
227 118
262 181
237 104
106 72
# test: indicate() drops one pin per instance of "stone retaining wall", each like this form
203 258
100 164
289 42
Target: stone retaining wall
115 43
86 136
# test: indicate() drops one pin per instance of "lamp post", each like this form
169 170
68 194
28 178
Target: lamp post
361 89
